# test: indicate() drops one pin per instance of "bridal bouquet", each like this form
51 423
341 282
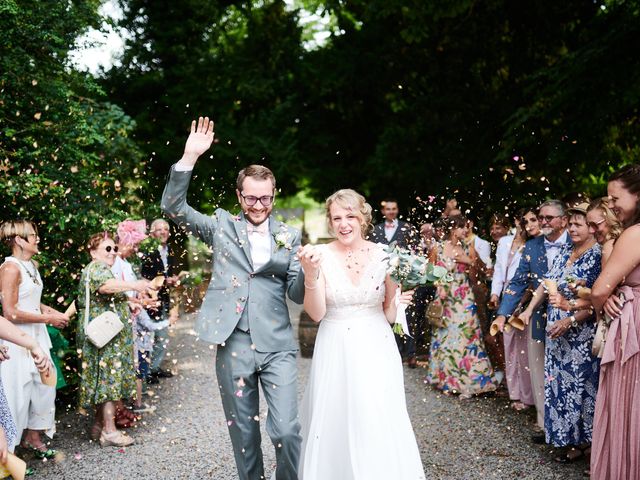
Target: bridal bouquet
410 270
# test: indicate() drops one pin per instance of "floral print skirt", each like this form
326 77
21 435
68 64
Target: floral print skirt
459 363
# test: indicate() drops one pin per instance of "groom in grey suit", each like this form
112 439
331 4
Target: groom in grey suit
245 311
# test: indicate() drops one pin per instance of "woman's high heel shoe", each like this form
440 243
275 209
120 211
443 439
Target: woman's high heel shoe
115 439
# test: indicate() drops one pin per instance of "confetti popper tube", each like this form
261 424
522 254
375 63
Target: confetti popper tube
552 286
516 322
71 310
16 467
493 329
156 285
584 292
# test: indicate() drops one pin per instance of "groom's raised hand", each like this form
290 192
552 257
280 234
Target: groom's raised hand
199 141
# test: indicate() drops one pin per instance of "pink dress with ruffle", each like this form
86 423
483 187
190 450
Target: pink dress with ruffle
616 434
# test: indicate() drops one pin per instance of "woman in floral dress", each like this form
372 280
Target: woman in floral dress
459 362
108 373
571 371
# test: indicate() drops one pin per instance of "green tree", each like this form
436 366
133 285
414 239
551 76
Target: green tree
232 60
67 160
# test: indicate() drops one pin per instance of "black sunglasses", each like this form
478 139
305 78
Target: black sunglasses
547 218
109 247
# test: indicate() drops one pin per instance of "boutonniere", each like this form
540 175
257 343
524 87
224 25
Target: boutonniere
283 239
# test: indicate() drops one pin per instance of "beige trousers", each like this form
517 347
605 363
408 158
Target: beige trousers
536 370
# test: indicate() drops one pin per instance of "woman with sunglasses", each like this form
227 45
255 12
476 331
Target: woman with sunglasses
32 403
108 374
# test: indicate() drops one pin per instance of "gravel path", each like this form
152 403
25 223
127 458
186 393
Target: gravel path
186 437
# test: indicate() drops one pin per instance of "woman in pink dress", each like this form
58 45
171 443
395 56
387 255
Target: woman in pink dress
616 438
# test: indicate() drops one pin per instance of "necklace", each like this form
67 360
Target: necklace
33 275
576 254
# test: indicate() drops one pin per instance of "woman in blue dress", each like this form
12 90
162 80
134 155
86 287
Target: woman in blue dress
571 370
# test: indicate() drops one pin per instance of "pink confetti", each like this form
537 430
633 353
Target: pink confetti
239 394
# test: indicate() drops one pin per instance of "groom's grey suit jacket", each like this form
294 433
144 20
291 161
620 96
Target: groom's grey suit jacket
236 289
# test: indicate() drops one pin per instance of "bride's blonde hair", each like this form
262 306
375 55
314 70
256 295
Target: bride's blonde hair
350 200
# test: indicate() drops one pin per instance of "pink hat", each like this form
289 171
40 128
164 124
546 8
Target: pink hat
132 232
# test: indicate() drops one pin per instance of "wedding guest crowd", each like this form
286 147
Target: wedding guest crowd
564 287
112 377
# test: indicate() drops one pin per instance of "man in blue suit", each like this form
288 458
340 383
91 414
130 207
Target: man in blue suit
537 258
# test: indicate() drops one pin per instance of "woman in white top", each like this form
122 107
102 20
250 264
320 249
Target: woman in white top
508 256
32 403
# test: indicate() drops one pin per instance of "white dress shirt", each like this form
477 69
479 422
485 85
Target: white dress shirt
552 252
164 255
505 267
390 229
259 245
483 249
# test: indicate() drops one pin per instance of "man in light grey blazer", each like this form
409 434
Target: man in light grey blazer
244 311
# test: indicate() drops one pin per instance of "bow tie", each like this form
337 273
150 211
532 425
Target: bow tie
261 229
389 225
548 244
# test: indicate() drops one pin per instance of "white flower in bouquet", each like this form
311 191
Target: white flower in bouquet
411 270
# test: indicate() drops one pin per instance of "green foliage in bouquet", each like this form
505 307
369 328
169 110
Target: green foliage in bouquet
411 270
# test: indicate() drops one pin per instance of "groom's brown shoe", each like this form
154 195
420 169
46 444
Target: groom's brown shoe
412 362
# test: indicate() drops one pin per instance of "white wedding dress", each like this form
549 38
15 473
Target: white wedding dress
355 424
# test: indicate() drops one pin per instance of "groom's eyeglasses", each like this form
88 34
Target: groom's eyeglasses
250 200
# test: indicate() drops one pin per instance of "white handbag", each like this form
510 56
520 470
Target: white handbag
102 329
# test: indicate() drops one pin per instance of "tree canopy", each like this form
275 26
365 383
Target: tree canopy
405 99
67 160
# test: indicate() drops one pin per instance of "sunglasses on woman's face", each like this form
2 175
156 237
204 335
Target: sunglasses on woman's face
108 249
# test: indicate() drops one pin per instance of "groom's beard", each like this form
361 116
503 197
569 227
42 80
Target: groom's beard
257 218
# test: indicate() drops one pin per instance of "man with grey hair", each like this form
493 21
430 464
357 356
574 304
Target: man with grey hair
537 258
160 262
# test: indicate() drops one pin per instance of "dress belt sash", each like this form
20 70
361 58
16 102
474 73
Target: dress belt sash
626 323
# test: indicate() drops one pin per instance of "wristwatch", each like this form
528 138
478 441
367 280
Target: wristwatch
572 304
574 322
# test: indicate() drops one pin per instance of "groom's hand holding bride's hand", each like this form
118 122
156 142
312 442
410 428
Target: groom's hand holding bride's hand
199 141
310 258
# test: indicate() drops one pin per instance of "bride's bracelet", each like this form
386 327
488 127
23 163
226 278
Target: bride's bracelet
309 287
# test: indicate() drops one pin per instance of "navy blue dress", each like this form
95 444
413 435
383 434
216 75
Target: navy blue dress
571 371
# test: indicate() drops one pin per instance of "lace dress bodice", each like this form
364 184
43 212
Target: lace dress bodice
345 300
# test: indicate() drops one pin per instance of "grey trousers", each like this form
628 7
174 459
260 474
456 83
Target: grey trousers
239 369
160 344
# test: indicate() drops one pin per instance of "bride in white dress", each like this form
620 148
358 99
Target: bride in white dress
355 424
